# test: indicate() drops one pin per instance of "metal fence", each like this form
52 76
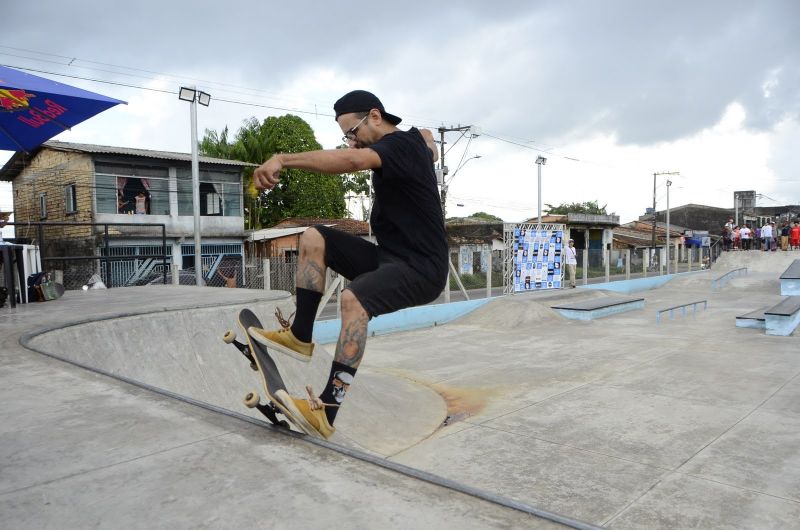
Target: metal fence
117 253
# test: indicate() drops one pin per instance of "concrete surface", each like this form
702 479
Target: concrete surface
691 423
82 450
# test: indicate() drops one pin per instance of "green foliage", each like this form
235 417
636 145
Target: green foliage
300 193
486 217
589 207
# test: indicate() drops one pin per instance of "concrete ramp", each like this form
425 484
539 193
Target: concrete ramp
181 351
755 260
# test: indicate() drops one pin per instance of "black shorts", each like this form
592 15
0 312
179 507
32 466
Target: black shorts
381 282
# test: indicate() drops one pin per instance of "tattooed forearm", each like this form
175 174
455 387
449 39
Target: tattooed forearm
352 341
311 276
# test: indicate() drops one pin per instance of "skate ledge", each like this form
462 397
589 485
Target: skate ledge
327 331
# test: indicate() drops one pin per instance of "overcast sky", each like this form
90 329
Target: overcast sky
609 92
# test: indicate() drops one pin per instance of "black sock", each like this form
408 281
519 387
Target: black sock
307 304
338 383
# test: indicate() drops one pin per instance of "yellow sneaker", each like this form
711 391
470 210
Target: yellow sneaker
311 422
284 341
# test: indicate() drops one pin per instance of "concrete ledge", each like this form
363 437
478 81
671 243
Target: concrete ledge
598 308
790 287
783 318
327 331
755 320
790 279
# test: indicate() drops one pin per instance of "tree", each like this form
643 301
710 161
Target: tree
300 193
590 207
486 217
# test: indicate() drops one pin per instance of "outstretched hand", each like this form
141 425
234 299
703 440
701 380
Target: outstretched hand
268 174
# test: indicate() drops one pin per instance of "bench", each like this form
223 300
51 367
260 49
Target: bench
682 307
783 318
598 307
790 280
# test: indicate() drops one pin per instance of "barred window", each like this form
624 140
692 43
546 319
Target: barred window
70 198
42 206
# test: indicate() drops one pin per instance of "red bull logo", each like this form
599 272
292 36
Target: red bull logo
18 100
12 99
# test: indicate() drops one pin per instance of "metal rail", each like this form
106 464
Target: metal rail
728 276
682 307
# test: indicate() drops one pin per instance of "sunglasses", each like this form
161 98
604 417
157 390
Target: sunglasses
351 133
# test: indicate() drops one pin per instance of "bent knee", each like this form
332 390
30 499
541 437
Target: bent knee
312 241
350 303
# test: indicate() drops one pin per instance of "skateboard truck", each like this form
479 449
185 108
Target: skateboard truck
253 401
230 338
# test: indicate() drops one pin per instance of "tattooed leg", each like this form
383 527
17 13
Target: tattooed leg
310 283
311 265
353 336
349 351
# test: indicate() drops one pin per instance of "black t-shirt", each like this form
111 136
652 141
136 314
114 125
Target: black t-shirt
407 212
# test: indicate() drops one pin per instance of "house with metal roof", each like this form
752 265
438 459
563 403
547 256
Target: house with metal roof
75 182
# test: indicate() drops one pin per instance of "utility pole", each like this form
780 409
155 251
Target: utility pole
443 168
654 201
540 161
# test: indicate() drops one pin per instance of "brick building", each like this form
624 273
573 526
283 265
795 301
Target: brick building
70 182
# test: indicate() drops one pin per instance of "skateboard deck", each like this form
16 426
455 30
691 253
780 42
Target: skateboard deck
262 362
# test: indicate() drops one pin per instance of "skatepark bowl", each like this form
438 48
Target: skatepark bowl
615 421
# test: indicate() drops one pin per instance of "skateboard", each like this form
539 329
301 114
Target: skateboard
261 362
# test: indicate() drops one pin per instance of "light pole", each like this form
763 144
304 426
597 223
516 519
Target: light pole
669 183
540 161
194 96
654 202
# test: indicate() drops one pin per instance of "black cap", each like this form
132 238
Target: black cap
362 101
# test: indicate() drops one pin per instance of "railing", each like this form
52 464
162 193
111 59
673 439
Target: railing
79 249
728 276
682 307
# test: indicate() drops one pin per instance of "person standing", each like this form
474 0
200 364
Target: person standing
571 257
794 235
785 236
744 232
766 235
407 267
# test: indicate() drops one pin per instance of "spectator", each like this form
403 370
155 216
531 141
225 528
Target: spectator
757 238
737 238
726 238
785 236
745 235
794 235
767 236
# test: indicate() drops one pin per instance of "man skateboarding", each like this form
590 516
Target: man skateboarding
407 267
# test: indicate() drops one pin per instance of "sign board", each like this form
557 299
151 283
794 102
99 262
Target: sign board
537 257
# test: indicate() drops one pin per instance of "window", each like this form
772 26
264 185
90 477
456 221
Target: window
42 206
70 198
131 195
220 193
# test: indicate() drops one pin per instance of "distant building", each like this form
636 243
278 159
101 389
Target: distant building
72 182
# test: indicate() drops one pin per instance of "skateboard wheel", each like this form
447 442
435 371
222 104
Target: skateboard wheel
229 337
254 367
252 400
284 424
